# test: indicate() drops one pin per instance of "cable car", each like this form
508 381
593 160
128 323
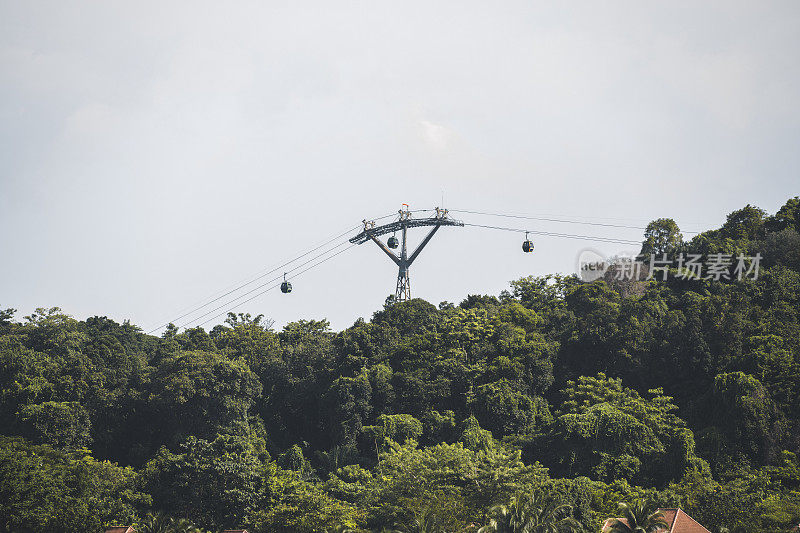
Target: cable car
527 246
286 287
392 242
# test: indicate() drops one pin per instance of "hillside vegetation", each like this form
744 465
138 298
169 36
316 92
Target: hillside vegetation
684 391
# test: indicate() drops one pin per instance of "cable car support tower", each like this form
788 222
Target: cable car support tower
403 261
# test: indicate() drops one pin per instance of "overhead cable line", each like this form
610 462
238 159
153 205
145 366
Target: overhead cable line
197 307
277 278
562 235
251 291
261 276
277 285
561 220
320 258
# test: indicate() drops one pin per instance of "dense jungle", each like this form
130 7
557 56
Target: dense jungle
568 397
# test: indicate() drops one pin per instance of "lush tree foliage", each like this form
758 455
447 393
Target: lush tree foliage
548 404
45 489
639 517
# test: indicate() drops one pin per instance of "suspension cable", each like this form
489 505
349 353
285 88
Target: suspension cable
199 306
238 299
562 220
278 285
196 308
553 234
251 291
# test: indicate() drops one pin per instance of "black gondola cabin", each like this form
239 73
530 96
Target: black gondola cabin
286 287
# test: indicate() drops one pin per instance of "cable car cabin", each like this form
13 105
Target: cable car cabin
392 242
527 247
286 287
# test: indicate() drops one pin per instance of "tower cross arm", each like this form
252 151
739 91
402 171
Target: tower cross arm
398 225
383 247
423 243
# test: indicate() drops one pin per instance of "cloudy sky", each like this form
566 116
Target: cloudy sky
156 154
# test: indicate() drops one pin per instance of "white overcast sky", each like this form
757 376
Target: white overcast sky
155 153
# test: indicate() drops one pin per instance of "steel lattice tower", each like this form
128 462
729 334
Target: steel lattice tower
404 261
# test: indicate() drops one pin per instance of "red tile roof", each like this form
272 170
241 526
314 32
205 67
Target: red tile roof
677 520
120 529
607 524
680 522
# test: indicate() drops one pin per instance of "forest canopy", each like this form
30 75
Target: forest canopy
683 391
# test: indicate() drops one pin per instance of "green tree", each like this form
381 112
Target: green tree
292 505
59 424
640 517
248 338
741 421
506 411
160 523
348 404
476 473
745 223
424 521
609 432
531 513
395 427
661 236
788 216
201 394
212 483
44 489
6 319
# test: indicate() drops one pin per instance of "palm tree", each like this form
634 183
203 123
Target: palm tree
425 521
160 523
550 516
154 523
509 518
531 513
341 528
641 517
182 525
